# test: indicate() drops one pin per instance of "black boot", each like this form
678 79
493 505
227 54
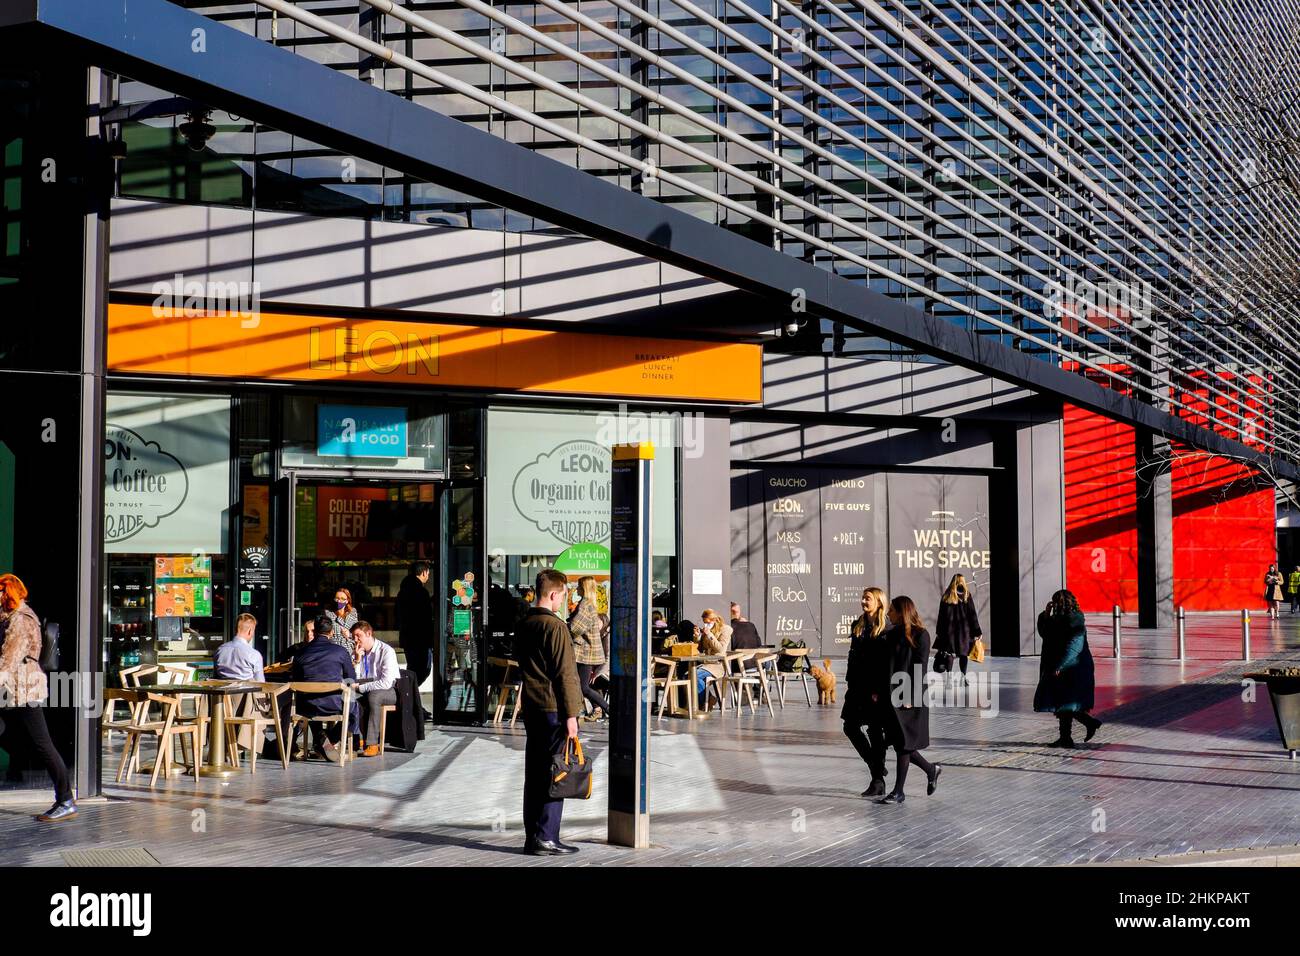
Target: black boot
1064 740
877 788
1091 725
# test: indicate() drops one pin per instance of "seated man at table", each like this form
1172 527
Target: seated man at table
744 635
323 662
238 659
376 674
309 635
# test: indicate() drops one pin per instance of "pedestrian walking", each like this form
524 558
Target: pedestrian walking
23 690
415 625
958 623
1065 672
586 626
909 731
866 694
1273 591
552 702
1293 589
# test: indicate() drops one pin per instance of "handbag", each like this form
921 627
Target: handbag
942 662
570 773
977 651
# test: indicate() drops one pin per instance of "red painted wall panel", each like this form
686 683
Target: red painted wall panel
1100 529
1224 533
1223 522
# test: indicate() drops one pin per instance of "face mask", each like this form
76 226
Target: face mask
341 604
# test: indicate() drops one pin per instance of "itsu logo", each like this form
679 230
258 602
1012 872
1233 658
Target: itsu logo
142 484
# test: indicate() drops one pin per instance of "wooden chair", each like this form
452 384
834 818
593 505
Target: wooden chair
257 721
166 730
297 720
799 675
131 678
384 711
739 680
668 682
507 686
764 664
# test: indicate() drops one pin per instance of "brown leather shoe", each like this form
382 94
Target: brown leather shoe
371 751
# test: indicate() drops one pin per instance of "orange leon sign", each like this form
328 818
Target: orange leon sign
283 346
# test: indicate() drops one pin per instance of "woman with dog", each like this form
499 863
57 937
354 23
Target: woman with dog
958 624
866 698
909 729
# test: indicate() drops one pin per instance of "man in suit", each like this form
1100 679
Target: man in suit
552 702
415 623
325 662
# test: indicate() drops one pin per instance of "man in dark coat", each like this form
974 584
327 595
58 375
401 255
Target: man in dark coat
552 702
415 627
323 662
744 635
1065 673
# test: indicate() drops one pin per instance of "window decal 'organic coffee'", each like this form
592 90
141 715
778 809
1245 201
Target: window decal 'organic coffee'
565 492
143 484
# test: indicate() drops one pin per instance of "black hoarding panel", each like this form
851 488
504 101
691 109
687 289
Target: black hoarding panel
854 551
792 553
938 527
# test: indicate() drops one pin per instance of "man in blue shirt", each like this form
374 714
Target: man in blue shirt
325 662
238 659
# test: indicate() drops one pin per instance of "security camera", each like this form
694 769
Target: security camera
792 328
196 130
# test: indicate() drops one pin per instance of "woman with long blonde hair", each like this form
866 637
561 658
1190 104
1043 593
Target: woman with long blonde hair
867 695
588 650
958 625
715 638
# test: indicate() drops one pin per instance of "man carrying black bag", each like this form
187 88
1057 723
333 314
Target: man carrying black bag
551 704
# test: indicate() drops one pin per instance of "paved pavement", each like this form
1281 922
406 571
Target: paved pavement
1185 763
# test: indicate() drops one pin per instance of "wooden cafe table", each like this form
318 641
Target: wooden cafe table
216 691
691 712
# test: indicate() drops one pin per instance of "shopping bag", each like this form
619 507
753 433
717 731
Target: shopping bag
570 773
977 651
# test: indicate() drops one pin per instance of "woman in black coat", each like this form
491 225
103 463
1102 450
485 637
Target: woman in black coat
909 730
1065 672
958 624
866 699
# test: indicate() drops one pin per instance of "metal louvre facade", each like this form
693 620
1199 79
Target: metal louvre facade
1090 183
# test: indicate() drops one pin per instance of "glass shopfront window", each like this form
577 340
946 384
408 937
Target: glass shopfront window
548 492
167 518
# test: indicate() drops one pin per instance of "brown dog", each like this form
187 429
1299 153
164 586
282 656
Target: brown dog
825 678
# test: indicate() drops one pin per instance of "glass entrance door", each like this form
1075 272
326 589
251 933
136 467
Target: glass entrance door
361 537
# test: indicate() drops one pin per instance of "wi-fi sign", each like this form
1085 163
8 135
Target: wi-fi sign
255 557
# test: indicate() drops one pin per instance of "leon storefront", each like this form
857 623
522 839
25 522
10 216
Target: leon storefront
260 470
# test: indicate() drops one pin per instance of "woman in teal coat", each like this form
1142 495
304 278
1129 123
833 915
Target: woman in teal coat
1065 673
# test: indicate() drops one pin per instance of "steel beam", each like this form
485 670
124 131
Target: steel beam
167 46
